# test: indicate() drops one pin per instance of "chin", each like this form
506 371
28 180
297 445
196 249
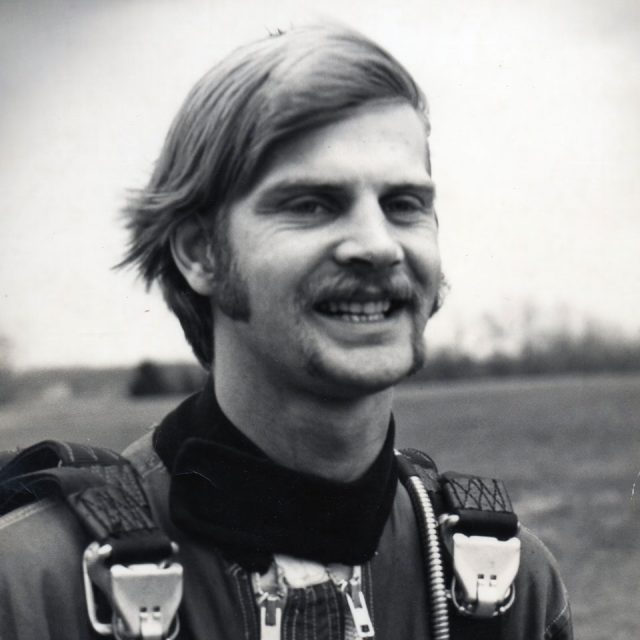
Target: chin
351 380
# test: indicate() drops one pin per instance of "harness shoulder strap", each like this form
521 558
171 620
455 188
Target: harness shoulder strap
472 517
130 560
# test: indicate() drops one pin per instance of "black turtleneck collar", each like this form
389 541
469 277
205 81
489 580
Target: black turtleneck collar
226 491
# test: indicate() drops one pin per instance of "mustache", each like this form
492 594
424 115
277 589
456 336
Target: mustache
397 286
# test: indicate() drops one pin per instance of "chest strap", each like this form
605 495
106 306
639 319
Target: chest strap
131 562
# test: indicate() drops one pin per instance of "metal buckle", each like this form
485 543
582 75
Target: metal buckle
484 569
144 597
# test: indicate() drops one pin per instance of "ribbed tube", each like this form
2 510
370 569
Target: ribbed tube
429 533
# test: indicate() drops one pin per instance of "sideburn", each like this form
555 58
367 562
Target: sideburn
231 292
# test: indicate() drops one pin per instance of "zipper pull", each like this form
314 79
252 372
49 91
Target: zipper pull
271 608
357 604
271 601
360 614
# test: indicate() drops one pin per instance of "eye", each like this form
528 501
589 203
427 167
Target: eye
407 207
309 206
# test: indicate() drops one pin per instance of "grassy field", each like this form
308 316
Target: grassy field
568 449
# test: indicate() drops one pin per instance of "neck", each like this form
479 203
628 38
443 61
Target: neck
334 438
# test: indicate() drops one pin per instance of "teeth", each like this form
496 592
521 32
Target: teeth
376 317
359 308
371 311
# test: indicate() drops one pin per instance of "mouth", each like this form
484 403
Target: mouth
361 311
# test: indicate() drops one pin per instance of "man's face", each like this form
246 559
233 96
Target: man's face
334 254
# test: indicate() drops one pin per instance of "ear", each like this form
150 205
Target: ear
191 251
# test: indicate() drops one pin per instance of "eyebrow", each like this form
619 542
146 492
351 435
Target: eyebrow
426 189
294 187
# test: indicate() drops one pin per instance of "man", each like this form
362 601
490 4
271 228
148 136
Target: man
290 222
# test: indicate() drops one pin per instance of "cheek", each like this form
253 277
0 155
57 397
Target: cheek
423 258
270 281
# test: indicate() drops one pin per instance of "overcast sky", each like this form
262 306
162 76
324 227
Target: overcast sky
535 111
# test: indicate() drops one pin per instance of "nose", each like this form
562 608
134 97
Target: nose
368 239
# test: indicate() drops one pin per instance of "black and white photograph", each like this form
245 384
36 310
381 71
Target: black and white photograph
319 321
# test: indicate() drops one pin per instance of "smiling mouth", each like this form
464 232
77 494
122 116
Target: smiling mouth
364 311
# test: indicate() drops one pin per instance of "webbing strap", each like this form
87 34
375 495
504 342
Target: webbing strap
130 562
480 507
99 485
482 504
478 629
53 453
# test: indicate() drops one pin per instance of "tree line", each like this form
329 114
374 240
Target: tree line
524 348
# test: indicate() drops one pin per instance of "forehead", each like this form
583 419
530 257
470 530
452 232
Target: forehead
384 141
